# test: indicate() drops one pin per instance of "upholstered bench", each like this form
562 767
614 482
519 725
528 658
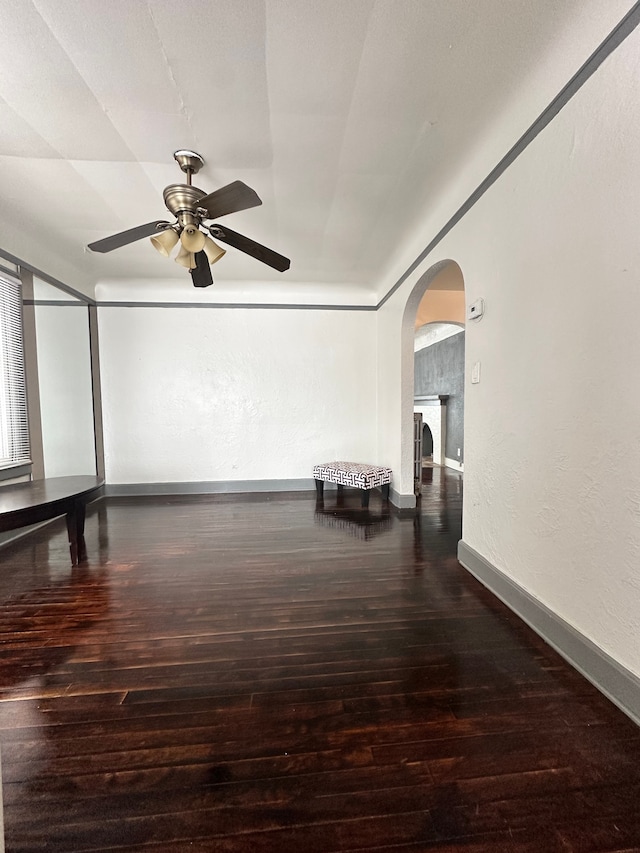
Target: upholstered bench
355 474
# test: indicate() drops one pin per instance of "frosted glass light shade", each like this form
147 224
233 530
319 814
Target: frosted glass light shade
165 241
186 259
192 239
213 251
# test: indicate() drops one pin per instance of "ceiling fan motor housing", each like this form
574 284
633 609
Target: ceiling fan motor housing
182 200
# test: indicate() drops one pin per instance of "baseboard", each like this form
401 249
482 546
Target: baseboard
402 501
612 679
210 487
220 487
453 463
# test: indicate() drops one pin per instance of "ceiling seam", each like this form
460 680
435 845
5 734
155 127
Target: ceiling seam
269 114
183 107
344 129
88 87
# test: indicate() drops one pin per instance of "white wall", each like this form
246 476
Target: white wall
206 394
64 376
552 468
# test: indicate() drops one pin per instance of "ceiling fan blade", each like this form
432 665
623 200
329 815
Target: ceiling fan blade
130 236
250 247
230 199
201 275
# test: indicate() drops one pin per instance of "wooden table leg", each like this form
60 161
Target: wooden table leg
75 530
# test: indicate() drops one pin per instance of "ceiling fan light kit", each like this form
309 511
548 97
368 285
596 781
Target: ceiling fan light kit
165 241
192 239
212 250
191 206
186 258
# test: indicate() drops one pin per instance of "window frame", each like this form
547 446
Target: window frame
15 452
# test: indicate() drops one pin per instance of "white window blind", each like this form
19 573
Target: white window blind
14 424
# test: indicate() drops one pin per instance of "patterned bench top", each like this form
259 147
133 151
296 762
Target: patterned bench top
357 474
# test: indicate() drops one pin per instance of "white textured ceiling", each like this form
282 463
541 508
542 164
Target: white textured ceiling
346 116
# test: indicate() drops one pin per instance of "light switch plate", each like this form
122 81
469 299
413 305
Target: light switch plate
475 373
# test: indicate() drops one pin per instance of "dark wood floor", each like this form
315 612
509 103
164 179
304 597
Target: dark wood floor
263 675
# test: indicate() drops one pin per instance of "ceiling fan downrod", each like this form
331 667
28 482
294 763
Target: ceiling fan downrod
182 199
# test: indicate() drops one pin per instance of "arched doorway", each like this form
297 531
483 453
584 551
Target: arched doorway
427 443
434 313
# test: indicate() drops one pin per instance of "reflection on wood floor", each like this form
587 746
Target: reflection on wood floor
241 674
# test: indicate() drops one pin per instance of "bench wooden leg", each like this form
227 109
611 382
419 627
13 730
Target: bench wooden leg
365 497
319 488
385 492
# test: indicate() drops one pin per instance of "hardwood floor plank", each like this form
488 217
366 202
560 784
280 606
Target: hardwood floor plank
231 674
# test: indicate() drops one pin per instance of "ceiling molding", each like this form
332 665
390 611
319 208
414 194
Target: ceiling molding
248 305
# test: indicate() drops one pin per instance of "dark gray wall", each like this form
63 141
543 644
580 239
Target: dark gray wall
439 369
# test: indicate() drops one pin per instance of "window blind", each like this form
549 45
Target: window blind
14 423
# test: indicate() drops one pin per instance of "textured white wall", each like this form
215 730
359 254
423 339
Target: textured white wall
552 472
64 376
197 394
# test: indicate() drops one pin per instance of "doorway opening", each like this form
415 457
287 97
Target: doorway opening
434 329
427 445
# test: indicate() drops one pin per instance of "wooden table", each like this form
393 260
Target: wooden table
22 504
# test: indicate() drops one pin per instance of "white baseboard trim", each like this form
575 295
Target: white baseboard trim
453 463
612 679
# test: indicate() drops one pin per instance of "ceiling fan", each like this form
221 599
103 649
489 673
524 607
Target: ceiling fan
191 207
